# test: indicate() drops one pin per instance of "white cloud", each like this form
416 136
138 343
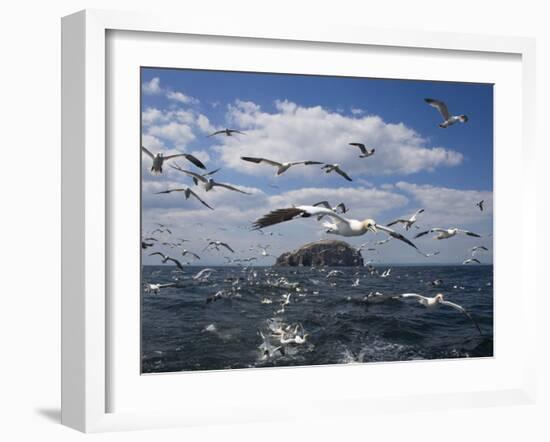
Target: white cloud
447 207
357 111
152 87
179 134
180 97
294 133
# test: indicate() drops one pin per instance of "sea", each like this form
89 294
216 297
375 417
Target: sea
184 328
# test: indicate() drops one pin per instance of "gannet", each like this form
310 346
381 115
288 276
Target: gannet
208 183
339 225
469 260
480 205
281 167
448 119
159 159
408 222
187 192
166 258
187 252
155 288
447 233
217 244
336 168
438 301
365 153
228 132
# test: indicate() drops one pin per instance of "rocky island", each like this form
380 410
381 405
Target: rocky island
326 252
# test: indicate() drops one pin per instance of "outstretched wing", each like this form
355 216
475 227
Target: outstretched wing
234 131
227 186
342 207
144 149
463 311
467 232
342 173
397 221
287 214
261 160
189 192
411 295
227 247
158 253
440 106
395 235
324 204
216 133
188 172
175 261
360 146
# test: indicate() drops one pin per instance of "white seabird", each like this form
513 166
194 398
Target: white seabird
187 192
281 167
438 301
159 159
203 274
166 258
155 288
336 168
446 233
217 244
448 119
339 225
187 252
267 349
365 153
386 273
470 260
208 183
227 132
476 248
408 222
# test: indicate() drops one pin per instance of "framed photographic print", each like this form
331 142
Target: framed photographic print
246 207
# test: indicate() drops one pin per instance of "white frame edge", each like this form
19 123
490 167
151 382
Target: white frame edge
84 346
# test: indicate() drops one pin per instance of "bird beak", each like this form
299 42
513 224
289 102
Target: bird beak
372 228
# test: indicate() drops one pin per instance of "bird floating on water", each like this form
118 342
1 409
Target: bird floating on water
159 159
448 119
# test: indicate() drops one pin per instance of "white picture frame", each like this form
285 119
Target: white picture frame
86 315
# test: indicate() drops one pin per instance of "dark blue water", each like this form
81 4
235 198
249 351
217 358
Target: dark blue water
181 331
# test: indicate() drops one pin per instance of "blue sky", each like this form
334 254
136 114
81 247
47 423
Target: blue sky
312 117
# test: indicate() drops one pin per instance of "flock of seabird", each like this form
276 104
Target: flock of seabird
333 221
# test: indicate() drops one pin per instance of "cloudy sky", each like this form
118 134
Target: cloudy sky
295 118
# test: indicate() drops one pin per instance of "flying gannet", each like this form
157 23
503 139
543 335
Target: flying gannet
480 205
336 168
217 244
281 167
187 192
470 260
166 258
228 132
208 183
159 159
476 248
155 288
448 119
446 233
339 225
365 153
407 222
437 301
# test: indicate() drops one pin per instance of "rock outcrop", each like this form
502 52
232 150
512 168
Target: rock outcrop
322 253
